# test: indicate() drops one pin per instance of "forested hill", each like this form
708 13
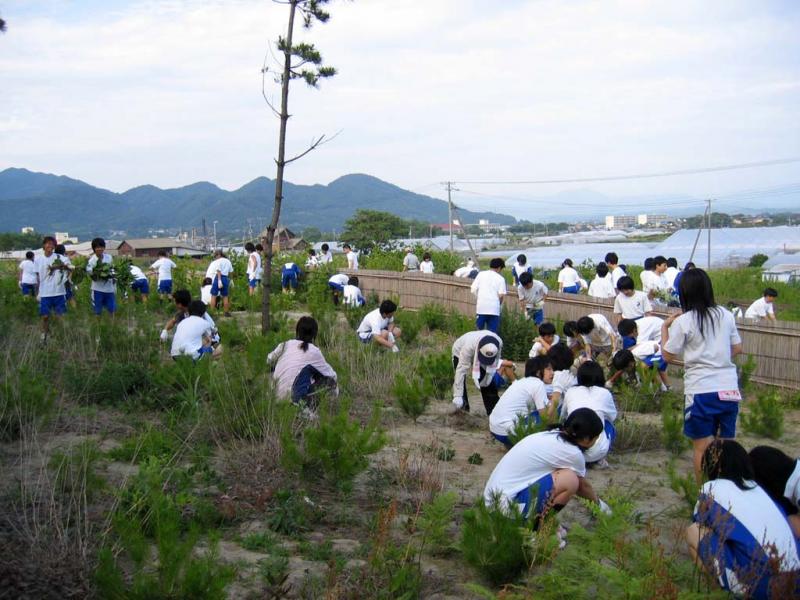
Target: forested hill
57 203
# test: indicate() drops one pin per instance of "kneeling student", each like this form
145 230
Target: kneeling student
378 326
525 398
531 293
546 340
591 393
299 369
140 283
193 334
764 307
551 463
337 282
352 293
739 535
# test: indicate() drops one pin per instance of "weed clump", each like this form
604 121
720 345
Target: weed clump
765 417
672 429
434 523
26 399
412 394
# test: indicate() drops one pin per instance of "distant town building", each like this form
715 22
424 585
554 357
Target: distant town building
627 221
85 248
785 273
27 230
152 246
62 237
286 241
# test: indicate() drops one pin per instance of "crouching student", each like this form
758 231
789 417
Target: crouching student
526 398
598 336
299 369
546 340
531 294
739 535
779 475
561 359
476 354
378 326
182 299
337 283
591 393
140 284
545 470
352 293
764 307
290 275
193 335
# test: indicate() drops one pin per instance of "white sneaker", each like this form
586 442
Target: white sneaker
561 534
395 348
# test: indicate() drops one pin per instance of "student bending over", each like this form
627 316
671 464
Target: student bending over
779 475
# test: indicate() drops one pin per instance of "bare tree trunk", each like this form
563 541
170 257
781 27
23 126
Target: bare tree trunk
281 162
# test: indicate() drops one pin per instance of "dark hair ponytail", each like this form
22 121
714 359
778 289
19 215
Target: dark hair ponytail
697 295
581 424
727 459
306 331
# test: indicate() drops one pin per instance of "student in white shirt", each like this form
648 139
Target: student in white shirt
163 266
705 335
336 282
739 535
525 398
670 274
219 272
140 284
410 261
325 256
568 278
561 358
764 307
426 266
531 293
312 262
468 271
104 289
352 257
617 272
378 326
205 291
254 268
547 339
182 300
489 288
630 303
779 476
299 369
520 267
598 335
602 285
591 393
477 354
545 470
648 353
635 331
352 293
27 275
193 334
52 271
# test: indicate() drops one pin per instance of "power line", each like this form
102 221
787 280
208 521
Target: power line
764 163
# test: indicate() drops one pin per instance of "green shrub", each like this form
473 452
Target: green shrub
672 428
765 416
336 447
108 383
495 541
411 324
75 470
291 513
517 333
434 523
525 426
437 370
746 370
434 316
685 486
475 459
26 399
140 447
412 394
757 260
356 314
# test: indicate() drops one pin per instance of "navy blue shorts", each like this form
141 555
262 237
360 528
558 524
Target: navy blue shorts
107 300
165 286
141 285
705 415
56 304
543 488
220 290
28 289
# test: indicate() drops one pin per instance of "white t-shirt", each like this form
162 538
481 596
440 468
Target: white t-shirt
603 333
254 270
759 309
537 349
339 279
649 329
520 399
602 287
164 266
205 294
325 257
189 336
534 297
632 307
519 269
352 261
563 380
568 276
51 284
137 272
598 399
108 286
463 271
222 264
792 491
617 274
707 358
750 522
426 266
645 348
411 262
669 276
652 281
487 288
532 458
373 323
28 268
352 295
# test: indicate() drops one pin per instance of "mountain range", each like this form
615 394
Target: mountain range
58 203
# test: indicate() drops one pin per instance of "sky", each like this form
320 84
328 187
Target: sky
121 93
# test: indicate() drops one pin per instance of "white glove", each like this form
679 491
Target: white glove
395 348
459 402
604 508
164 335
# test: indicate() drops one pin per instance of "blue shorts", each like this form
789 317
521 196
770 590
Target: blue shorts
655 361
28 289
543 488
56 304
141 285
573 289
503 439
366 340
165 286
628 341
723 559
611 433
491 322
289 279
104 299
537 315
217 290
705 415
253 283
336 287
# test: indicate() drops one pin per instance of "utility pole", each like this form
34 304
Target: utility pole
215 234
450 212
708 261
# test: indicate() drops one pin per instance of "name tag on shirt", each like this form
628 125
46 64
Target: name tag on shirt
730 395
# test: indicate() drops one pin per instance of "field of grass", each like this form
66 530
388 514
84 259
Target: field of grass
130 475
